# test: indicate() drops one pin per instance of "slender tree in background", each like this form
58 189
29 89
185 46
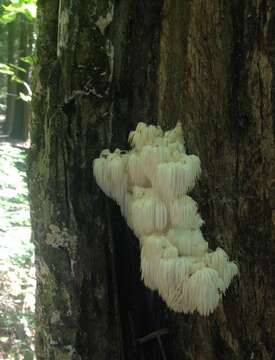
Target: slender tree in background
19 125
17 19
11 86
101 68
3 59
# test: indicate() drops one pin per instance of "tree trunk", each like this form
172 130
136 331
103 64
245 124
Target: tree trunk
3 59
20 127
11 88
77 317
102 67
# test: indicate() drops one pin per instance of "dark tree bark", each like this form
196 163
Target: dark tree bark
102 67
77 317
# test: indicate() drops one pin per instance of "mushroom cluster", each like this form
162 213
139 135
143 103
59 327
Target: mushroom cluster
150 184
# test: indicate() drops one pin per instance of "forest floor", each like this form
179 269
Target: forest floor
17 274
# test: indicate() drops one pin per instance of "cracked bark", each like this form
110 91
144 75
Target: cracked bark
210 66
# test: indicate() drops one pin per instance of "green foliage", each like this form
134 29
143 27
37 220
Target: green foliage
8 13
13 70
27 59
18 68
6 69
16 7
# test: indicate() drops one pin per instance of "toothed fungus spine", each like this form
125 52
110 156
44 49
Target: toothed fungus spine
150 184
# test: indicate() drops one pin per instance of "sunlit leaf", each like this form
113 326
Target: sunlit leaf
6 17
27 86
17 79
6 72
30 10
27 59
24 7
6 69
16 67
24 97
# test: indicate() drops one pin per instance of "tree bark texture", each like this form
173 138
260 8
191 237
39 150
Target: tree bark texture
102 67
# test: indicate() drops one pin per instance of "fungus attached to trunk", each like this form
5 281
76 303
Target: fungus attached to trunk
150 183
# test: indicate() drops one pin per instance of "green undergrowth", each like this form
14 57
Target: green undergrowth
17 275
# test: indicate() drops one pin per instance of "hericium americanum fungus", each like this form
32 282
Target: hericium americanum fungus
150 184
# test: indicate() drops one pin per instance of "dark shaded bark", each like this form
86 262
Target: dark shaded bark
76 313
227 102
211 66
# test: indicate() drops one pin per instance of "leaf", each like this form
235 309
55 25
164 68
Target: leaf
30 11
6 72
7 18
16 67
17 79
24 97
27 86
24 7
27 59
6 69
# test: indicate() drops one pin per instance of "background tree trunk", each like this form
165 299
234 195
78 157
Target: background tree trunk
101 69
3 59
11 86
20 123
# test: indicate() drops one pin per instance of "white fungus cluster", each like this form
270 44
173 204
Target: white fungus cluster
150 184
